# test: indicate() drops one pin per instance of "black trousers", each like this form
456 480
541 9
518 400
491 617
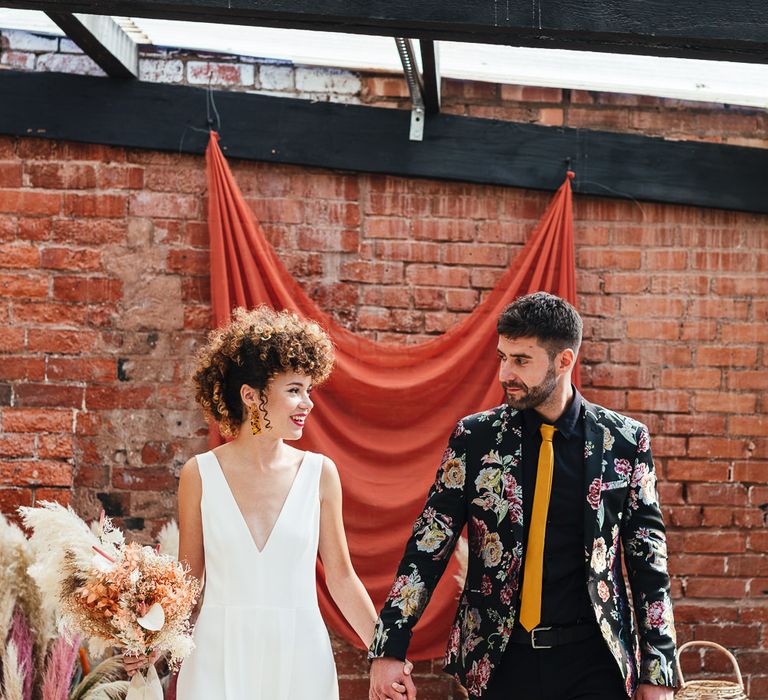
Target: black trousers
580 671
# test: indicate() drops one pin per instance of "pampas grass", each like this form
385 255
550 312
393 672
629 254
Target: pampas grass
60 668
13 674
21 636
168 539
109 672
109 691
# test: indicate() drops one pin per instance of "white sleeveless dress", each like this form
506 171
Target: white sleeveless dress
259 635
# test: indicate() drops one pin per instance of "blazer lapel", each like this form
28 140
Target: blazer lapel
594 466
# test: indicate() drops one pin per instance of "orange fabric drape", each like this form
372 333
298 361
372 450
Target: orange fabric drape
386 413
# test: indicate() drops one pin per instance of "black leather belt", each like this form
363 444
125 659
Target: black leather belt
548 637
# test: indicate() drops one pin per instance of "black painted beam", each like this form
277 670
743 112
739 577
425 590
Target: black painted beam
103 40
430 64
734 30
369 139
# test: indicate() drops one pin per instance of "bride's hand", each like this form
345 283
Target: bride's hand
134 663
409 691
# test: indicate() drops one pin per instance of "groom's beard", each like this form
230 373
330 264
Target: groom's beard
534 396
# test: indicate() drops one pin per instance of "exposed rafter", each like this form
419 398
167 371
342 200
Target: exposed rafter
736 30
104 40
370 139
430 62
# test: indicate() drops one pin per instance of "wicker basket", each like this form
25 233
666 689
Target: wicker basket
706 689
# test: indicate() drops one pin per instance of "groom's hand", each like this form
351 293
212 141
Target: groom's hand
391 680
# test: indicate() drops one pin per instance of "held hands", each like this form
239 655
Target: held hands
391 680
645 691
134 663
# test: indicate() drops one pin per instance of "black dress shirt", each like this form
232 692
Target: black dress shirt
564 597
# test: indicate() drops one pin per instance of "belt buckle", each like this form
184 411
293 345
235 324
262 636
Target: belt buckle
534 644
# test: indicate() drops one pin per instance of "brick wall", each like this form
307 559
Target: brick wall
104 296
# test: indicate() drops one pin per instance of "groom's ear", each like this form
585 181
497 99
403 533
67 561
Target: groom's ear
566 359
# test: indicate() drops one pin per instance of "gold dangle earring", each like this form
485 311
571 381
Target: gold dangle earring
255 421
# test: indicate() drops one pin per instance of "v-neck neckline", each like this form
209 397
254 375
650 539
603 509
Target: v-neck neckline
279 515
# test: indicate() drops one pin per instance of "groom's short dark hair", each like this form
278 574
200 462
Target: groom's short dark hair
546 317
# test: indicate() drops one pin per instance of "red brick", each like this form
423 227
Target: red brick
410 205
385 296
61 496
717 494
61 176
719 308
693 564
55 446
440 321
461 299
474 254
730 635
699 330
372 272
755 472
22 367
13 340
189 261
13 498
17 445
726 356
626 283
696 378
738 285
680 284
88 231
408 251
390 320
71 259
674 259
745 332
726 588
652 330
723 261
608 258
717 447
444 229
329 240
286 211
748 380
144 479
111 397
87 289
36 472
51 314
693 424
48 395
485 279
108 206
723 402
29 202
119 177
61 342
29 420
23 286
428 298
437 275
645 306
696 471
659 400
19 256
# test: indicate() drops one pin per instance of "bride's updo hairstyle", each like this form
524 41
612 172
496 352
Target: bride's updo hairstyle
255 347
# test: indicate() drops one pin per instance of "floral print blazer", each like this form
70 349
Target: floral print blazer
478 484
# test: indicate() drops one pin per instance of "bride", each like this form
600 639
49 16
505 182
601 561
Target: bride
254 514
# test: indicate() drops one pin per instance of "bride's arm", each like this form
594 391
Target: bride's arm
191 551
345 587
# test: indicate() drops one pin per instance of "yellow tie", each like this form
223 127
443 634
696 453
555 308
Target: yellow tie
530 608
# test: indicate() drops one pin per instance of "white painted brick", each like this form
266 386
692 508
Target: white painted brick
68 63
276 77
69 46
161 71
25 41
327 81
19 60
247 74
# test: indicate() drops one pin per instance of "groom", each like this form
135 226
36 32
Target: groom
554 491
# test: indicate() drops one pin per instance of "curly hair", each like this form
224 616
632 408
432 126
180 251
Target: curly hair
254 348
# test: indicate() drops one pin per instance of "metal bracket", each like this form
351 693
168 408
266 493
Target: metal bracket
415 86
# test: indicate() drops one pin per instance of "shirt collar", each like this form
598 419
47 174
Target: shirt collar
567 424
